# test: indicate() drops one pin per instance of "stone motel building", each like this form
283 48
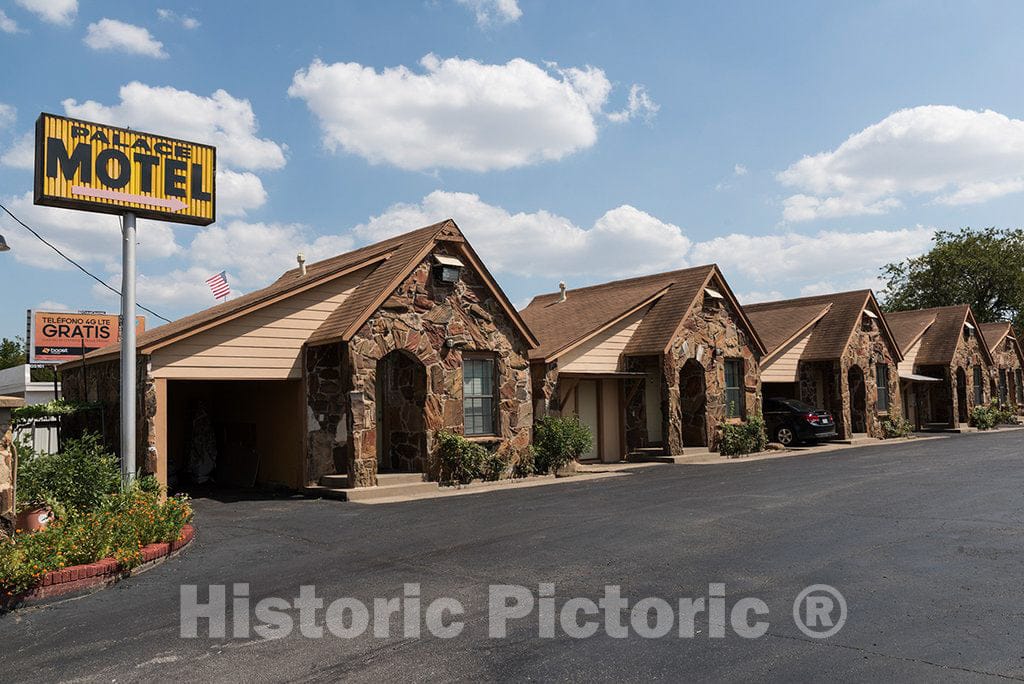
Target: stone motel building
835 352
653 365
1007 363
341 372
946 367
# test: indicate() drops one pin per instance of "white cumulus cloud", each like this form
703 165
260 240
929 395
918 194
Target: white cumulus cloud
8 25
220 119
22 153
455 113
490 12
52 11
118 36
941 154
184 20
639 104
8 115
624 241
90 239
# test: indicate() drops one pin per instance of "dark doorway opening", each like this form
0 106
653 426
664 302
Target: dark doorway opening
401 390
693 404
858 400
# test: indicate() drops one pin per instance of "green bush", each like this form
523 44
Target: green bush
1004 414
459 459
743 438
896 427
118 527
983 417
77 478
526 465
494 467
559 441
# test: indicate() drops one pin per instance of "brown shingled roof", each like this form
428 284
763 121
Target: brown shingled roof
908 326
995 333
831 334
777 325
940 340
391 260
588 310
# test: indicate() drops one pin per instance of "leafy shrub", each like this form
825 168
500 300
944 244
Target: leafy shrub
51 409
494 467
896 427
983 417
559 441
743 438
460 460
118 527
77 478
526 464
1004 414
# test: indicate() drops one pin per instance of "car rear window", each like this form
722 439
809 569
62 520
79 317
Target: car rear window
796 405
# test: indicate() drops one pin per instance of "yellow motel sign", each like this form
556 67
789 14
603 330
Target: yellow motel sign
94 167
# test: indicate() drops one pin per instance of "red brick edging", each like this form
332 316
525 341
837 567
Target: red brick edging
107 571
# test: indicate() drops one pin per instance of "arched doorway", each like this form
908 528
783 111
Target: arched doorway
401 389
858 400
693 404
961 394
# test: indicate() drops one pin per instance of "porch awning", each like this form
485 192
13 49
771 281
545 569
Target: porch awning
913 377
582 375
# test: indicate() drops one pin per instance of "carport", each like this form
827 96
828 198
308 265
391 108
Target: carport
234 433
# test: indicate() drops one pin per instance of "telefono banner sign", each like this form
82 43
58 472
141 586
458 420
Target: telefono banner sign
95 167
56 337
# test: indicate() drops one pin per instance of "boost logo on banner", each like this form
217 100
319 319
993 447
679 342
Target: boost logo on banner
56 337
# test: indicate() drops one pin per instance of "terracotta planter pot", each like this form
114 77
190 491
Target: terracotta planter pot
34 519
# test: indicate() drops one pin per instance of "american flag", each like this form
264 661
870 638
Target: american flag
219 284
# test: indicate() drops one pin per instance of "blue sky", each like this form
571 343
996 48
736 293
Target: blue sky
799 145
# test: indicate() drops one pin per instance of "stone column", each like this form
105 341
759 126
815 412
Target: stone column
7 464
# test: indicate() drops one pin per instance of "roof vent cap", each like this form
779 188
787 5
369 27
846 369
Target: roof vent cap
561 291
301 258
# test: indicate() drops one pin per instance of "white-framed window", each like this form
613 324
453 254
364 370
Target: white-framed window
478 405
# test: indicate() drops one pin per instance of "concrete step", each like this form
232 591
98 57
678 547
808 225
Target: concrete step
658 456
962 428
858 439
340 481
388 484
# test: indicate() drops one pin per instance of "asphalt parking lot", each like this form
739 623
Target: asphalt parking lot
925 542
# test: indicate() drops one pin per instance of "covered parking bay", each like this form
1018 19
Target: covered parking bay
234 433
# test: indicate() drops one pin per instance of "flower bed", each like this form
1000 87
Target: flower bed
120 527
56 583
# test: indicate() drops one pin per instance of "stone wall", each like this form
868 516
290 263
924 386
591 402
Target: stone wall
419 318
1005 358
326 427
7 458
709 335
969 354
101 382
636 404
867 348
822 387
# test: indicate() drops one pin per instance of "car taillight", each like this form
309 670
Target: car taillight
811 418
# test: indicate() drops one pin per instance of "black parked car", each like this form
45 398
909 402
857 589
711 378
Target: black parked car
789 421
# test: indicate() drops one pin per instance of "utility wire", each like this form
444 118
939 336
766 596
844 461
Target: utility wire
75 263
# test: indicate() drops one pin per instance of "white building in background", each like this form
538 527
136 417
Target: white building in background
17 382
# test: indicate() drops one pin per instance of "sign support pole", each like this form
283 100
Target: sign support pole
128 361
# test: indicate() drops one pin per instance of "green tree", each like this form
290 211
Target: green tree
12 353
977 267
